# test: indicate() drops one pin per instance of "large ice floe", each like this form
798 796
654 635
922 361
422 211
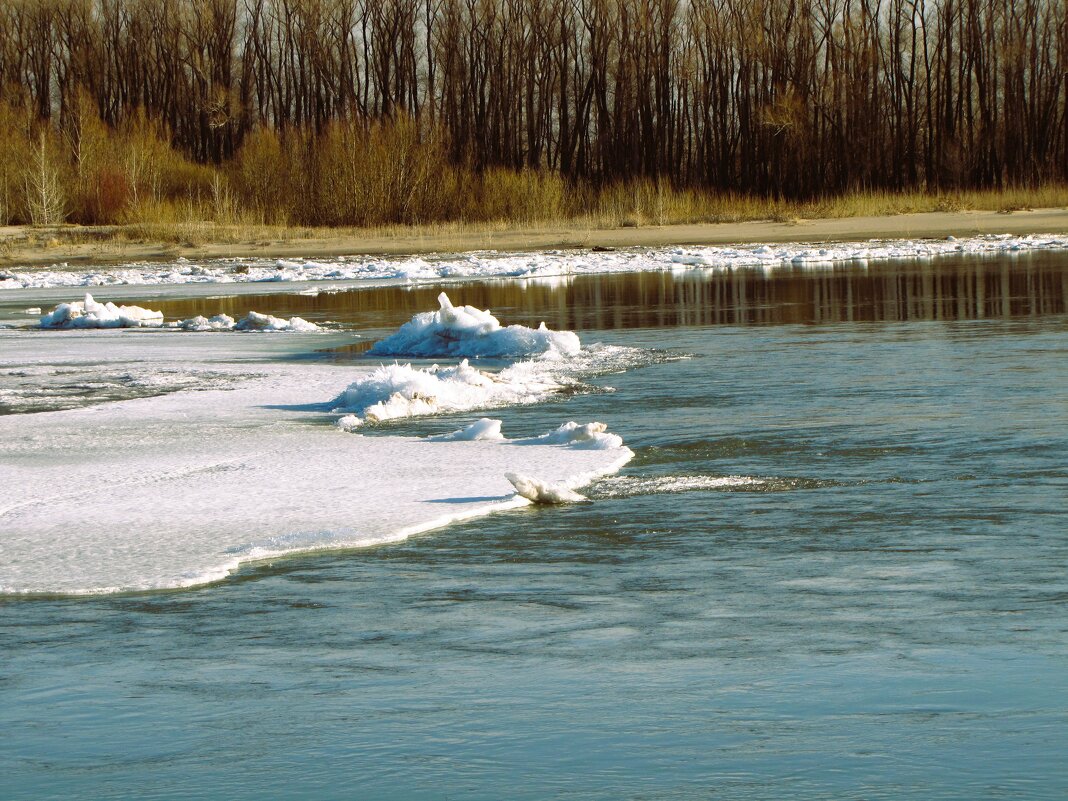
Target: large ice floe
394 391
89 313
464 331
532 266
182 488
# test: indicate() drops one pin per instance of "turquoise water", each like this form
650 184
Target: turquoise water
876 609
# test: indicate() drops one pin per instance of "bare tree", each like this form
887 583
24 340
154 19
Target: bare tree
42 186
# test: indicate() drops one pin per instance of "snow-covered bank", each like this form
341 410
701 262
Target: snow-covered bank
88 313
180 489
465 331
522 265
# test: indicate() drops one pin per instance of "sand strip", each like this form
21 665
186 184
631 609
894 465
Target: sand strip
16 251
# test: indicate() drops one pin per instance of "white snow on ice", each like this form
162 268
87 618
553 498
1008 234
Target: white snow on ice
523 265
394 391
464 331
180 489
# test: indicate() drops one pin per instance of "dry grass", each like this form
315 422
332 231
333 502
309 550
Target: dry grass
186 224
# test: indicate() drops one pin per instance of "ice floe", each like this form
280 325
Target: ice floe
546 492
220 322
556 363
478 430
464 331
591 436
183 488
255 321
88 313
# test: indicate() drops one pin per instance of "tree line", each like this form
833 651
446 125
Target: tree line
784 98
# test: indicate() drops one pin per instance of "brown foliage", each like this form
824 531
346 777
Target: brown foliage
779 98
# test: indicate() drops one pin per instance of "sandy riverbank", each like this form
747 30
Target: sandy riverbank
24 246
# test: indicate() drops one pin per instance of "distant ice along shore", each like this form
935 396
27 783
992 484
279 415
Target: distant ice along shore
89 313
489 264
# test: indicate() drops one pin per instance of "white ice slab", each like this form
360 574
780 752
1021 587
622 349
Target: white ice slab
180 489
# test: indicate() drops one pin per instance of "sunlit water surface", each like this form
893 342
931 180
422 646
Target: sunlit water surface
837 568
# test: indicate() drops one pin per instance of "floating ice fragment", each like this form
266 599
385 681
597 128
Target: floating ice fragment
255 321
591 436
465 331
543 491
89 313
349 422
220 322
484 429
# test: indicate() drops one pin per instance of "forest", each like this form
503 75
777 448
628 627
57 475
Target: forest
369 112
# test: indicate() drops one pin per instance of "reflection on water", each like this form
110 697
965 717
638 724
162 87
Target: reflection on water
946 289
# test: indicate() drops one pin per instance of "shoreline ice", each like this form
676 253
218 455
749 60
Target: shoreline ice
531 265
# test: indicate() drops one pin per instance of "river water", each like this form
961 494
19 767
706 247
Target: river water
836 568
